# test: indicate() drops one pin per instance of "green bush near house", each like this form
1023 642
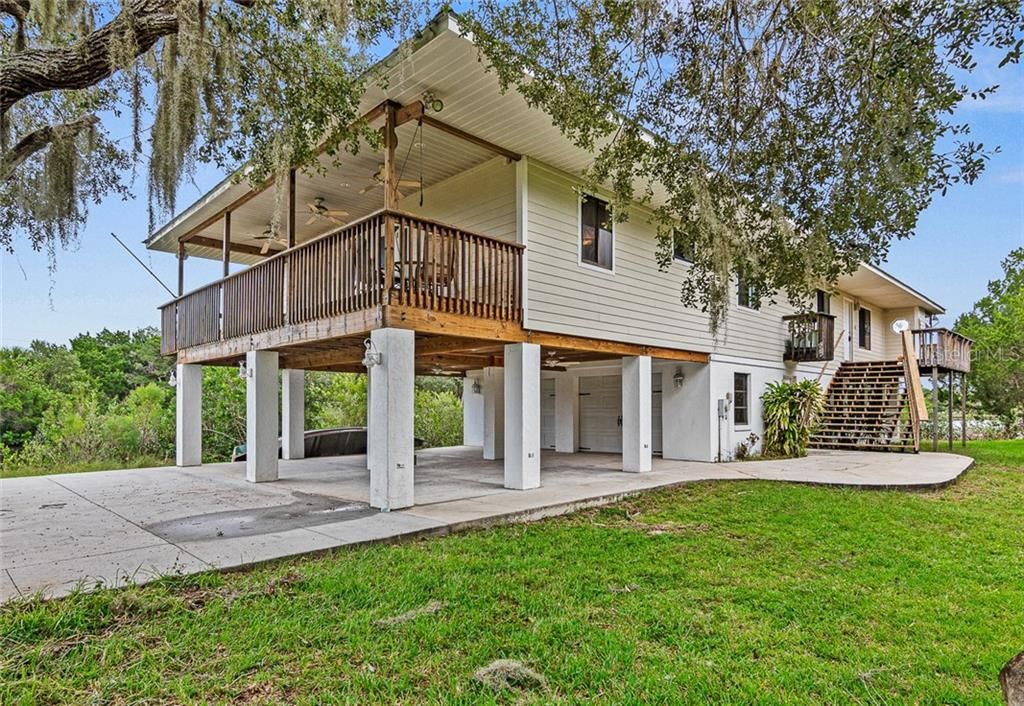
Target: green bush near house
790 410
103 402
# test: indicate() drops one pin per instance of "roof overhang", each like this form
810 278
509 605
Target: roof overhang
876 286
441 60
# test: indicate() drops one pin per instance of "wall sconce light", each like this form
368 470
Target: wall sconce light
373 356
172 380
477 387
678 379
243 371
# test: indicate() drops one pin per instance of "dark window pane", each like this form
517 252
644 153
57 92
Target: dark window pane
588 235
596 244
681 250
864 334
745 292
741 403
824 304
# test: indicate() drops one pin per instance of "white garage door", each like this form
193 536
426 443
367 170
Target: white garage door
601 414
547 413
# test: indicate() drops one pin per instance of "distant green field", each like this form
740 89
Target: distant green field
726 592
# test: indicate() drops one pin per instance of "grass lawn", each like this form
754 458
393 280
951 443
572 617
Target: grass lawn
726 592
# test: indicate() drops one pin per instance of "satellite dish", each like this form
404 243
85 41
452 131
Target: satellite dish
899 326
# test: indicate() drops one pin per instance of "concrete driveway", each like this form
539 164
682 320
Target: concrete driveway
130 526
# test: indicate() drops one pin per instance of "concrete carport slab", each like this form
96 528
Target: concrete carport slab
129 526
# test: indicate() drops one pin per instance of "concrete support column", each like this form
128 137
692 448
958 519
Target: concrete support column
494 413
472 411
188 435
636 414
567 404
390 433
293 414
261 420
522 416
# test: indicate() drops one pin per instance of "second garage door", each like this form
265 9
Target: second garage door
601 413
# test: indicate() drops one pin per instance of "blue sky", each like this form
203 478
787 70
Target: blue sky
959 243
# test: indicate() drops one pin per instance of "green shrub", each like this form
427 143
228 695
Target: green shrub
790 412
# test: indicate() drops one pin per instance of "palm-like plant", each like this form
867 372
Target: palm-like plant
790 412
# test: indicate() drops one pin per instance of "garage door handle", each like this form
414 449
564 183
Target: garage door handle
619 420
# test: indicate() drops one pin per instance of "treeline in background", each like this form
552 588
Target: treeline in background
104 402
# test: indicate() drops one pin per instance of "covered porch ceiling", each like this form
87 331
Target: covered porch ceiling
443 63
877 287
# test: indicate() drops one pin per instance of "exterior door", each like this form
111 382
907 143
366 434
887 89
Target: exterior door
601 413
547 413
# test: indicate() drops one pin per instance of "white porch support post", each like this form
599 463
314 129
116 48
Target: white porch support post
188 435
293 414
567 400
494 413
636 414
522 416
261 420
390 434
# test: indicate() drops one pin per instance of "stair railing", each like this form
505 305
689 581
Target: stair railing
915 393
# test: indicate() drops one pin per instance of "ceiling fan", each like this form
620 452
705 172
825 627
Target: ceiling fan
269 238
553 362
378 181
318 212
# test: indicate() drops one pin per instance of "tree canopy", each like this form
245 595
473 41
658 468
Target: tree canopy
996 323
786 139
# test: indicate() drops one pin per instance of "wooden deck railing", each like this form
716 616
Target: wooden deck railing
386 258
942 348
811 337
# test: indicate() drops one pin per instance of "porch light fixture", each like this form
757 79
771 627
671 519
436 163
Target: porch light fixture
172 380
243 371
477 387
432 103
373 356
678 379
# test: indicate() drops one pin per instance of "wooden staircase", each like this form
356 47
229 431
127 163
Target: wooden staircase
864 409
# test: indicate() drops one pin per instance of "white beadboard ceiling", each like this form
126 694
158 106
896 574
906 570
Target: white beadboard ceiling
449 66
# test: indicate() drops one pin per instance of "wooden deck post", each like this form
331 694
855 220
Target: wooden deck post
286 275
181 267
951 387
390 141
935 408
291 208
389 260
226 246
963 409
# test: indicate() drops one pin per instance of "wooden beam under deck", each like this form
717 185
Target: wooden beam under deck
205 242
425 321
450 341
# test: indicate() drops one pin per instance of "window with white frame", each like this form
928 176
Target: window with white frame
597 244
741 399
864 328
746 295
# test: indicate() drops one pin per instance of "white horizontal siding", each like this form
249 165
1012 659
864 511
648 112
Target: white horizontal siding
636 303
480 200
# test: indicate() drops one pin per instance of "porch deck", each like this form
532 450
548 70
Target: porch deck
128 526
388 268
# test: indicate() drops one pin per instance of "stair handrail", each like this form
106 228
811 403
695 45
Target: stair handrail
915 393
